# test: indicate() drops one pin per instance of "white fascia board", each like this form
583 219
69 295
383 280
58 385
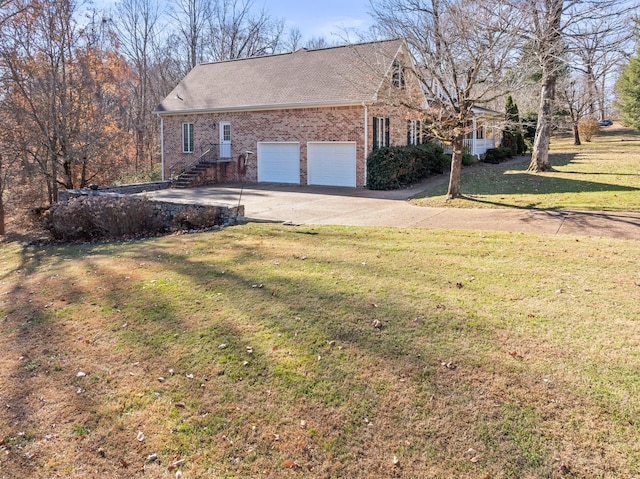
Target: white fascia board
283 106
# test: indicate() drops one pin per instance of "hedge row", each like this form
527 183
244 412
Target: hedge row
396 167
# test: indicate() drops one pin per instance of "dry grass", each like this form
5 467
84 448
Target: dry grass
600 175
498 356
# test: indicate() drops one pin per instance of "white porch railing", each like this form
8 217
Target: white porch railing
474 146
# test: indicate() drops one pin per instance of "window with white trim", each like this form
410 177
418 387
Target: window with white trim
226 131
187 138
413 132
380 132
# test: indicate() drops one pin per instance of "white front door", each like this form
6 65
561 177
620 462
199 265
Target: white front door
225 140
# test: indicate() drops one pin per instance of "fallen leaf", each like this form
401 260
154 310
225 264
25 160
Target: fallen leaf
448 364
288 463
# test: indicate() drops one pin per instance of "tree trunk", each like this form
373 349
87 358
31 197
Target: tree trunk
576 135
540 153
53 193
2 231
456 166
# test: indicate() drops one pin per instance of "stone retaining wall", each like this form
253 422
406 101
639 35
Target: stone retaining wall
130 189
181 212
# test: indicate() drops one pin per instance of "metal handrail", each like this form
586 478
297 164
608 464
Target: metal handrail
179 168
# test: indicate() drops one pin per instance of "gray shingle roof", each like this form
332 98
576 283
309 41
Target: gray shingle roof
349 74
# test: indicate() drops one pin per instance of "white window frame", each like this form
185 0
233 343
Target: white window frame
380 132
187 138
414 133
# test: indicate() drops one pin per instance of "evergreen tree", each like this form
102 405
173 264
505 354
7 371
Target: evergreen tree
512 134
628 89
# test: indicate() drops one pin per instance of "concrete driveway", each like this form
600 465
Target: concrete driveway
361 207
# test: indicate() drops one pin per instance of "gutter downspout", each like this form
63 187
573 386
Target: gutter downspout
366 140
162 146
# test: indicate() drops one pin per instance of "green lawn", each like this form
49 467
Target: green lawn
322 352
601 175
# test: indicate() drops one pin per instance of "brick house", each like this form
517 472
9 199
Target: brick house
307 117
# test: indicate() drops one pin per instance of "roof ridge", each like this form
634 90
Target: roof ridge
302 49
370 42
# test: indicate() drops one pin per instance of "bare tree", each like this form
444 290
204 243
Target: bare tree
573 94
293 40
315 43
191 19
62 95
237 30
137 26
597 46
465 52
551 26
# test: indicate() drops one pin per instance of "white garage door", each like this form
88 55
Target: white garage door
332 163
279 162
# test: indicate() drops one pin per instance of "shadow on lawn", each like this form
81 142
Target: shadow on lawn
514 179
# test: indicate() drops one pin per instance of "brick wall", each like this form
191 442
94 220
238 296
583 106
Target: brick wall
300 125
248 128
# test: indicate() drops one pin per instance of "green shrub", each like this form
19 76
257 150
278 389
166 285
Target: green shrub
521 144
146 176
496 155
400 166
467 158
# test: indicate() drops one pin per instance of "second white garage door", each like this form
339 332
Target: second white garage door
331 163
279 162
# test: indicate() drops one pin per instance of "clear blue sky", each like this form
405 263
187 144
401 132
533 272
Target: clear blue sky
316 18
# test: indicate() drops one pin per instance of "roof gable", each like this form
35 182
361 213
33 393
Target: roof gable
350 74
